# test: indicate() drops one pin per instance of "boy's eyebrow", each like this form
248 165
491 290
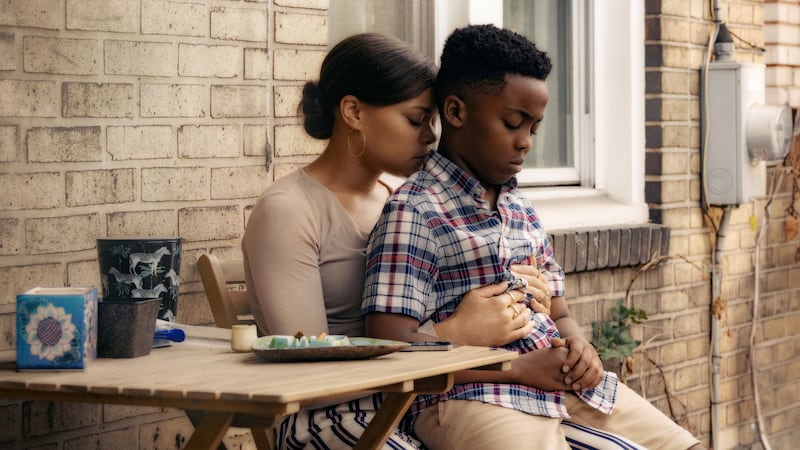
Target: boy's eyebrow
525 114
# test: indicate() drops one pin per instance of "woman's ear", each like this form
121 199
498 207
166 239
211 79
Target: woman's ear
453 111
351 111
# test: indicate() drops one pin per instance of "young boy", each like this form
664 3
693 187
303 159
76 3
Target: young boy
461 223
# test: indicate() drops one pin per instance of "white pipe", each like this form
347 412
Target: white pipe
716 311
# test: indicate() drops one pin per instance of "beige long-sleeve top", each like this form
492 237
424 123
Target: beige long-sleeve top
304 260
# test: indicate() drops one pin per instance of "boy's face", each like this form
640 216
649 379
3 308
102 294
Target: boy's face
498 129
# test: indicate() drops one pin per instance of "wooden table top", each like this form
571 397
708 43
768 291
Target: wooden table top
213 374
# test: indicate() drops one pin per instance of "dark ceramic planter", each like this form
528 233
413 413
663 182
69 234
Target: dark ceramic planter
142 268
125 327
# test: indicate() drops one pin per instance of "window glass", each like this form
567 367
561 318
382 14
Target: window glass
548 23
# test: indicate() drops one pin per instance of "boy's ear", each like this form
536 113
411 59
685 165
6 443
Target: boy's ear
454 111
350 109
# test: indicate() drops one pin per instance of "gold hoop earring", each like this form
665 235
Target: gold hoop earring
363 143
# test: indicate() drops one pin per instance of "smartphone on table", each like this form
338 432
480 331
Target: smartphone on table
427 346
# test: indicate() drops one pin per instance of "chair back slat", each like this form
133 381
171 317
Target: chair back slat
223 282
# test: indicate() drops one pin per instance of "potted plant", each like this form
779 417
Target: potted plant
612 338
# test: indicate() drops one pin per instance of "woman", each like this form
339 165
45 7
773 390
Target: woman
306 237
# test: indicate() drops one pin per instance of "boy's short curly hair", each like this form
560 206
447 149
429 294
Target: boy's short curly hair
477 58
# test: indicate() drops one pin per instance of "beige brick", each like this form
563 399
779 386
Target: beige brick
297 64
84 273
287 100
11 239
28 98
76 144
311 4
238 182
689 324
284 169
675 56
174 18
673 301
32 13
674 30
679 8
256 140
206 224
160 184
209 141
675 82
42 190
142 223
120 438
292 140
674 191
737 264
308 29
154 59
143 142
120 16
699 244
239 101
674 163
9 143
8 51
46 417
239 24
257 64
62 234
220 61
61 56
672 353
174 100
675 110
686 377
98 100
98 187
14 280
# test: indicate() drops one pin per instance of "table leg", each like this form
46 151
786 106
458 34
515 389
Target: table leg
385 420
209 432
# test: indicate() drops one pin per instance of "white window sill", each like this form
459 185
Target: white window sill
564 208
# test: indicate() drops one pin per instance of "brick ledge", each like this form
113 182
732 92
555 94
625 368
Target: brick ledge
587 249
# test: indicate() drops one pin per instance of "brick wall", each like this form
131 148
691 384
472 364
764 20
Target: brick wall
138 118
679 290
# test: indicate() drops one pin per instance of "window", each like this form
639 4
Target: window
589 152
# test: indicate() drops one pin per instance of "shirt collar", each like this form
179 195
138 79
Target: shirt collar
450 174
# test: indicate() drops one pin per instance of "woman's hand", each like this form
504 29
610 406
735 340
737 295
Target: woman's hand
538 286
488 316
582 368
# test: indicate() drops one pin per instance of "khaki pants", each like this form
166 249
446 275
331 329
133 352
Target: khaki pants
462 424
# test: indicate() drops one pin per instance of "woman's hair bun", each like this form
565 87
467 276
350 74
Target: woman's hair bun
318 117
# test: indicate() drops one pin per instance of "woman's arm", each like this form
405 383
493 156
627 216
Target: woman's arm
282 266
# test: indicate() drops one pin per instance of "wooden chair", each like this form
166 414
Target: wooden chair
223 282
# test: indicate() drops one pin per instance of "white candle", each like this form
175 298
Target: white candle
242 336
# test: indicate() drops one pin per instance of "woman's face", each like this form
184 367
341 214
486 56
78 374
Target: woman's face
398 136
499 129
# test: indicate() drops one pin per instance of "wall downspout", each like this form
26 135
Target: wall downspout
716 316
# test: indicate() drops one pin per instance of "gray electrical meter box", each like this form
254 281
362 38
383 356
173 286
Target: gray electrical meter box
731 176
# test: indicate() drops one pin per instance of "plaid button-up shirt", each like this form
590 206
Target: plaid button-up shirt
436 240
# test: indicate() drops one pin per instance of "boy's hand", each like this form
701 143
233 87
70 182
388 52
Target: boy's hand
582 367
538 286
541 369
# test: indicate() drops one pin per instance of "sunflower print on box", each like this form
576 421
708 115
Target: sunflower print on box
56 328
142 268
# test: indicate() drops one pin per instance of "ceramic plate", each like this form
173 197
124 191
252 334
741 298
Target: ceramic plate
360 348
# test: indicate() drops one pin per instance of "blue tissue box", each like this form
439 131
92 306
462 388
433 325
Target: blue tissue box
56 328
